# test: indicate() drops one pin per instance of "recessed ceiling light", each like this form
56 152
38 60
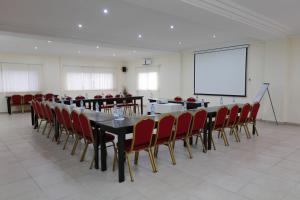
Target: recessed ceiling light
214 36
114 54
49 41
79 25
78 52
172 27
105 11
97 47
140 36
35 48
134 51
180 43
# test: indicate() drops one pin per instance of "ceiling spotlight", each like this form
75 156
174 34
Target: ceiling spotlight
172 27
140 36
214 36
134 51
97 47
49 41
180 43
78 52
105 11
114 54
79 25
35 48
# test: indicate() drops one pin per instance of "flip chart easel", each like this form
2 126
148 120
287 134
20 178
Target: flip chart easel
260 94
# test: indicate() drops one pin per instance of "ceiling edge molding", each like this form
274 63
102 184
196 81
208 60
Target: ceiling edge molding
236 12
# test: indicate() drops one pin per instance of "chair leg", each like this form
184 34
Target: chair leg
156 151
84 151
115 156
51 126
225 137
246 131
92 163
151 160
65 144
213 142
246 126
201 139
236 135
188 147
172 153
129 166
75 145
256 130
136 157
45 128
39 126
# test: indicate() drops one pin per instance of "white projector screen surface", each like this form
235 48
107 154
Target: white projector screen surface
221 72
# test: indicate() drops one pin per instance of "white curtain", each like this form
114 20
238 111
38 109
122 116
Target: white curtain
88 78
20 77
147 78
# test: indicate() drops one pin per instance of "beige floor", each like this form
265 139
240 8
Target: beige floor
263 168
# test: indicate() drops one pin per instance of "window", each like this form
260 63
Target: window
148 81
20 77
88 78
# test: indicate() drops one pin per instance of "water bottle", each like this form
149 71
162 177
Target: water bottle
202 103
62 101
86 96
115 112
184 105
81 104
97 107
53 99
221 101
71 101
197 98
233 99
152 109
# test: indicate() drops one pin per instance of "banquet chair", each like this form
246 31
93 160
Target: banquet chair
182 130
141 140
253 115
49 96
60 122
191 100
38 97
177 98
163 135
16 100
77 130
50 119
219 125
88 135
231 122
27 98
68 125
198 126
243 119
41 114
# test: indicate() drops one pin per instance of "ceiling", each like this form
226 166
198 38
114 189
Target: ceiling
196 23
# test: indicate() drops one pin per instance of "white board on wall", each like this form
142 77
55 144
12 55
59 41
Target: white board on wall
221 72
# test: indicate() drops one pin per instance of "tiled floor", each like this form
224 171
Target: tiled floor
262 168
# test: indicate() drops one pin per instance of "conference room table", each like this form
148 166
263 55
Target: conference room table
190 105
104 122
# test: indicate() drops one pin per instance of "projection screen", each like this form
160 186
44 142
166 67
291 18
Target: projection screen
221 72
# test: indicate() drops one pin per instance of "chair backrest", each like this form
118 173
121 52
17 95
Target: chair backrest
191 99
27 98
254 111
142 133
39 109
117 96
49 96
38 97
199 120
98 97
178 98
128 100
68 98
49 113
58 114
165 127
79 98
183 125
233 115
16 99
76 123
44 111
244 113
67 119
86 127
221 117
109 96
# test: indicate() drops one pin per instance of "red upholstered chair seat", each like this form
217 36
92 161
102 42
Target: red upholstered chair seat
191 99
16 100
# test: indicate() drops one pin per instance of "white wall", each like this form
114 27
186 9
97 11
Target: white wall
52 72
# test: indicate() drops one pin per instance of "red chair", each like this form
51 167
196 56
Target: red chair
231 121
198 126
60 122
98 97
191 100
88 136
50 119
164 135
77 130
49 96
253 115
27 98
130 106
78 98
120 102
35 110
16 100
178 98
141 140
68 98
219 125
68 125
243 119
41 115
38 97
108 104
182 130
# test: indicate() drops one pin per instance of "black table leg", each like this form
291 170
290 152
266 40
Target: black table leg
121 152
142 111
254 128
134 106
56 128
103 150
36 121
96 148
8 105
32 116
209 132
